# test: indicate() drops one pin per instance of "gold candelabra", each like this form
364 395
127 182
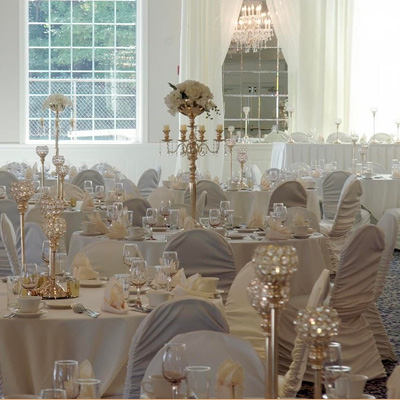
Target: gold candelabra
268 294
42 152
22 191
317 327
242 158
193 146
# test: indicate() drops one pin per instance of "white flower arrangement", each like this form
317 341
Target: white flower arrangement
189 95
56 102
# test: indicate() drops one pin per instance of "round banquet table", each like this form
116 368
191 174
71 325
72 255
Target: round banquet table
246 202
312 252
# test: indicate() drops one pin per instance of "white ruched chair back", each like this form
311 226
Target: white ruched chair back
301 137
139 207
34 238
275 136
9 239
307 215
378 168
10 208
215 194
148 181
88 175
352 294
290 193
158 195
388 223
130 188
34 215
70 190
301 167
6 179
161 325
212 349
343 137
207 253
381 137
331 189
105 256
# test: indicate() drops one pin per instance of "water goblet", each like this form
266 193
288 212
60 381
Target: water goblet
111 213
29 277
198 381
131 252
99 193
53 394
120 207
88 388
87 185
332 374
173 365
119 190
273 177
138 277
165 210
170 264
214 217
151 219
224 206
65 374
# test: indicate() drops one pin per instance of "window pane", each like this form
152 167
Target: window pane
82 36
84 106
104 35
104 107
60 11
60 35
82 59
103 11
38 59
125 59
126 36
38 11
82 11
104 59
126 11
60 59
38 35
84 87
61 87
125 107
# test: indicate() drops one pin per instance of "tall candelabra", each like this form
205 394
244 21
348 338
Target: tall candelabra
338 121
290 111
58 162
317 327
268 294
374 110
42 152
354 140
63 172
242 158
230 144
246 111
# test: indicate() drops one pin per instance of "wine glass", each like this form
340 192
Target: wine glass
130 253
173 365
170 266
224 207
332 374
138 277
65 374
273 177
87 186
119 190
29 277
165 210
151 219
111 213
214 217
99 193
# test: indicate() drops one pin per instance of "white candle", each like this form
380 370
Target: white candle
166 128
219 127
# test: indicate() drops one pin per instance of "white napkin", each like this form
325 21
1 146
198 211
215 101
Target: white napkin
230 379
265 184
277 231
207 175
29 173
87 203
181 217
216 180
256 220
72 172
298 220
82 269
117 230
188 224
100 226
114 301
86 370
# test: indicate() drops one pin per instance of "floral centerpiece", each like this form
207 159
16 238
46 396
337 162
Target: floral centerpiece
56 102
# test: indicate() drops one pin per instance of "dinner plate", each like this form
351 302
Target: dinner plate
59 304
159 228
92 283
246 230
20 314
302 236
364 396
135 239
91 233
236 236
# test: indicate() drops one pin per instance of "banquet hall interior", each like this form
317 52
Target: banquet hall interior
199 199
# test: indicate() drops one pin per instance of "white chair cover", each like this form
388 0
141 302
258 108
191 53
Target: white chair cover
212 349
388 223
161 325
9 240
378 168
290 193
70 190
215 194
381 138
88 175
130 188
352 294
205 252
331 189
10 208
158 195
200 206
34 215
6 179
139 207
275 136
34 238
159 172
148 181
343 137
301 137
256 174
105 256
299 167
1 385
307 214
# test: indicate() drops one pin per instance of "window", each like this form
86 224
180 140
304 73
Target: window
86 50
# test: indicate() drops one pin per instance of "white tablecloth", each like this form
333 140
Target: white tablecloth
284 154
312 252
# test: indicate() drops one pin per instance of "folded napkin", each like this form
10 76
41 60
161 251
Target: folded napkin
82 269
117 230
86 370
188 224
315 173
72 172
207 175
114 300
87 203
100 226
265 184
299 220
393 384
160 280
277 231
35 168
29 173
230 379
216 180
256 220
396 173
182 214
110 197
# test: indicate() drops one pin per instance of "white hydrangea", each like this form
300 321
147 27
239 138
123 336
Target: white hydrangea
56 102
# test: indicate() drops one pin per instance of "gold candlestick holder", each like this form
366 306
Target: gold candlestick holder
317 327
58 162
268 294
22 191
230 144
242 158
42 152
64 169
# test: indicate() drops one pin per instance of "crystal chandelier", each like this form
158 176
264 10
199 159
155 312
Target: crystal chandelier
253 29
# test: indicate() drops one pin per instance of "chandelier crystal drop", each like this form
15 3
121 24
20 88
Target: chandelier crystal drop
253 29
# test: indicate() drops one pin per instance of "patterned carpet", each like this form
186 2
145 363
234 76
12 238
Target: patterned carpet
388 305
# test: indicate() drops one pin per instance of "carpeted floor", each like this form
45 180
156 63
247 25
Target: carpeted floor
389 307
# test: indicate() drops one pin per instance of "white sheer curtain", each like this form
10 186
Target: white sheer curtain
206 29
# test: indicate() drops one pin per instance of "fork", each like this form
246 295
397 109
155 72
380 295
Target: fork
10 315
79 308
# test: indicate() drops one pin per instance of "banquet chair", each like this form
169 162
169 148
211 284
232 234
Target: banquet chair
332 186
388 223
352 294
139 208
6 179
307 215
215 194
34 238
88 175
9 239
160 194
101 167
105 256
159 172
10 208
34 215
130 188
161 325
212 349
205 252
1 386
301 137
275 136
148 181
378 168
290 193
343 137
200 205
70 190
256 174
381 138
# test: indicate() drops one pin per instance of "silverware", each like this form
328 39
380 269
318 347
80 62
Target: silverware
9 315
79 308
141 309
256 237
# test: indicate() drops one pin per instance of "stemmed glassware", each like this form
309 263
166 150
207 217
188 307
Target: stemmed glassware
99 193
65 374
151 219
173 365
138 277
29 277
224 207
280 211
53 394
165 210
111 213
87 186
170 264
214 217
119 190
131 253
273 177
